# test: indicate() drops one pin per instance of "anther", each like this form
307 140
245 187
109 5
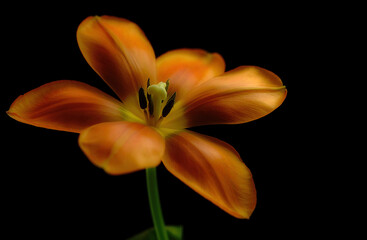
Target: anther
150 103
167 84
142 99
169 105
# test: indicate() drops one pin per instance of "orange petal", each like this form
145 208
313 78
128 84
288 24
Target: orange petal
122 147
238 96
118 51
186 68
66 105
213 169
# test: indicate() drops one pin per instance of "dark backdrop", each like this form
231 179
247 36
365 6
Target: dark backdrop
49 188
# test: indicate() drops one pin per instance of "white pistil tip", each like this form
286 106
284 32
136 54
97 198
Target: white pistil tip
158 94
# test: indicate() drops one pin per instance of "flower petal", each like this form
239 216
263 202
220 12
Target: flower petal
66 105
238 96
186 68
213 169
122 147
118 51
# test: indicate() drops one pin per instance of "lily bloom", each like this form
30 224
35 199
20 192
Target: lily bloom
159 99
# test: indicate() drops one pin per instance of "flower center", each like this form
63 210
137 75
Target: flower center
156 102
157 94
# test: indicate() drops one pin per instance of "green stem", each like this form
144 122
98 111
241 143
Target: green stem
155 205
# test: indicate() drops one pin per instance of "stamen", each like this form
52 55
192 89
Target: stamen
142 99
169 105
167 84
150 102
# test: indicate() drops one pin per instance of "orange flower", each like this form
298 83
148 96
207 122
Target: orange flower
148 125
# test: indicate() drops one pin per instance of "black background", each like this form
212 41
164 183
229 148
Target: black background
51 189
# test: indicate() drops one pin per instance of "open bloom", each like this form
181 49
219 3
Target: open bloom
160 98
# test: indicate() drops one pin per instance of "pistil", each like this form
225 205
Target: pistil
157 94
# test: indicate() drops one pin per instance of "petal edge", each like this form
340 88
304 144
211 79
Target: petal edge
65 105
237 96
118 50
187 68
213 169
122 147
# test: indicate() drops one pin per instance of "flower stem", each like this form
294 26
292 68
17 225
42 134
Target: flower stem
155 205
